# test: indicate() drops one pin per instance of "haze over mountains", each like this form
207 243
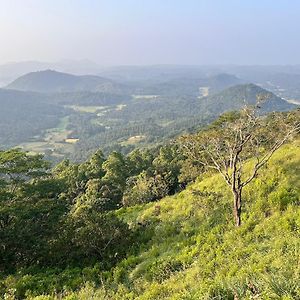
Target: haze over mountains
50 81
151 73
11 71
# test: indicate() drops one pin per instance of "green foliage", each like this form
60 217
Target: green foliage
144 188
55 219
94 236
17 167
62 237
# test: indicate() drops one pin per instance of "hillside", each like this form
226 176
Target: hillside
24 115
29 117
196 253
167 116
50 81
186 246
237 96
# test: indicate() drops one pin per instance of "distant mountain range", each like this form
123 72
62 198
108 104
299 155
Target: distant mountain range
110 112
50 81
224 91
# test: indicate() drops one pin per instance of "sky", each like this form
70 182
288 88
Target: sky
146 32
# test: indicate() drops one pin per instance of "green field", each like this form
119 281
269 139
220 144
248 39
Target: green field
87 109
53 141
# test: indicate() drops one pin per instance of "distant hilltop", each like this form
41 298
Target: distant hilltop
50 81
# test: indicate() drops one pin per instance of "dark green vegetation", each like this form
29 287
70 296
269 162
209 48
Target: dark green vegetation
25 115
72 116
140 227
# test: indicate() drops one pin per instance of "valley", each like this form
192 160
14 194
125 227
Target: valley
89 115
55 142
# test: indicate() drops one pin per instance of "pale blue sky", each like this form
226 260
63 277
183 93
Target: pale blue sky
114 32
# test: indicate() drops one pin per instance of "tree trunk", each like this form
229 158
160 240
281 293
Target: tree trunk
237 207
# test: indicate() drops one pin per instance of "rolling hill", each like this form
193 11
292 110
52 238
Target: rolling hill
237 96
50 81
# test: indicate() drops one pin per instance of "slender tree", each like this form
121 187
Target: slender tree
234 139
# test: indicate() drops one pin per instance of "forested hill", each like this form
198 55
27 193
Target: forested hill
50 81
237 96
156 119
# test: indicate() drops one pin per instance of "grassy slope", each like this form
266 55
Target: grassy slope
195 252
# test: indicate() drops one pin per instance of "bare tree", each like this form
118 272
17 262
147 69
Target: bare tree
237 138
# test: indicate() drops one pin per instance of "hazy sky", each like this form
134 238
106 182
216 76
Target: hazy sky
117 32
